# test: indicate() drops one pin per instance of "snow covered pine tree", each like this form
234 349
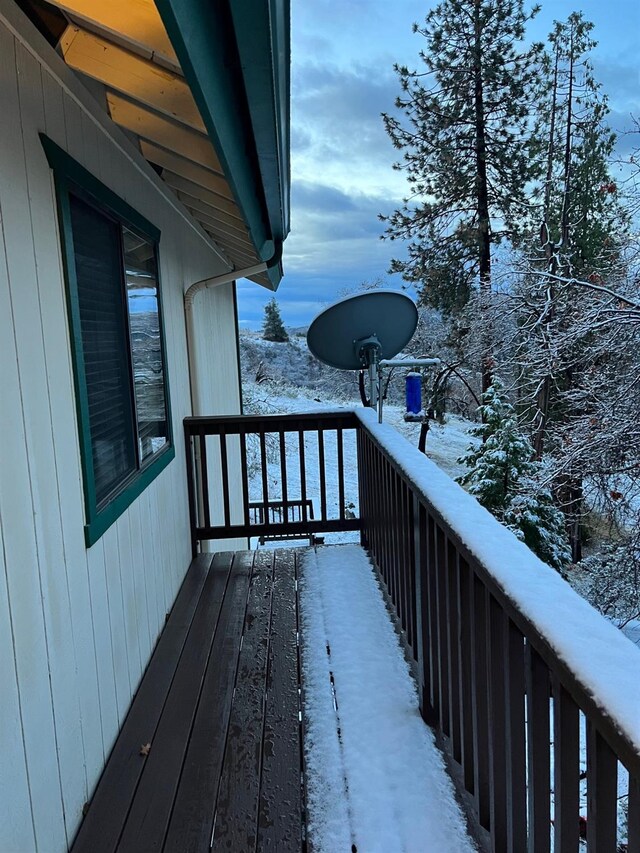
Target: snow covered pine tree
272 327
505 479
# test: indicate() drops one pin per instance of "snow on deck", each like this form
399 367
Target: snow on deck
375 778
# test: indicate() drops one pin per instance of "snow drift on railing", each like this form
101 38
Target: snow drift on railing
603 660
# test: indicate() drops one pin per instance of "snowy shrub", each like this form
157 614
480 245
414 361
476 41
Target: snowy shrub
534 518
507 481
610 580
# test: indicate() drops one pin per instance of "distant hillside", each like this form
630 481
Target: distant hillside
291 363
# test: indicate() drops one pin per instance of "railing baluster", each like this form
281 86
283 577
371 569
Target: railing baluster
633 811
283 474
340 449
424 627
388 523
376 499
368 510
498 722
398 523
263 471
602 792
225 478
245 478
453 614
566 775
303 475
204 484
443 640
434 632
363 491
391 526
409 569
323 476
480 681
516 751
539 757
465 581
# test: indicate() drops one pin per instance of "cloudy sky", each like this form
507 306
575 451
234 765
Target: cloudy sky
342 79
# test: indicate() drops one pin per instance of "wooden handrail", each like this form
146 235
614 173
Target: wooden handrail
209 444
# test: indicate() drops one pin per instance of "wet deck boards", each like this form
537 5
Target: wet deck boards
219 705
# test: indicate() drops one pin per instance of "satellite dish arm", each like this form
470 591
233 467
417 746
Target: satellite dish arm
363 389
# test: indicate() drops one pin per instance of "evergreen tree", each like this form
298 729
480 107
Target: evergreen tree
497 464
272 327
465 148
505 479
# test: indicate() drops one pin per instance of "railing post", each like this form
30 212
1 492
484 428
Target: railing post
191 497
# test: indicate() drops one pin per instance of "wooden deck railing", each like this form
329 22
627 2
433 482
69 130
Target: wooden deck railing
515 717
261 448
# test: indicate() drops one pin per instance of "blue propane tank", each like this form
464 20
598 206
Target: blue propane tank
414 393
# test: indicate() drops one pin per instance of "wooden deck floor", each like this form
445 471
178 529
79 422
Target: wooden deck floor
219 707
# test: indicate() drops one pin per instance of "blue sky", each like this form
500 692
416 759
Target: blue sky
341 158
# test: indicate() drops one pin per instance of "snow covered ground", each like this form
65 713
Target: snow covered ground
376 780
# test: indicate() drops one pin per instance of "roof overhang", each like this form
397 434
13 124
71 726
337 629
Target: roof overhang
202 88
235 58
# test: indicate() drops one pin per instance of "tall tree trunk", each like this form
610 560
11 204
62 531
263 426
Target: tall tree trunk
543 397
482 199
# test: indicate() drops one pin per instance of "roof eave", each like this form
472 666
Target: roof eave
235 59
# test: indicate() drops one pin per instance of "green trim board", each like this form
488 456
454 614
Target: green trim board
265 69
71 177
226 51
64 165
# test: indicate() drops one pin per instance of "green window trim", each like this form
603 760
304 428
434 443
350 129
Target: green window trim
69 176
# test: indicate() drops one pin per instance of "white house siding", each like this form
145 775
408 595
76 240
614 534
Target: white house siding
77 626
213 363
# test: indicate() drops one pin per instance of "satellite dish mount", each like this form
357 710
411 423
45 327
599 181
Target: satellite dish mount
368 353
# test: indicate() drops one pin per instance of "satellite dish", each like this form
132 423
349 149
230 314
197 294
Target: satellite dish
346 333
358 331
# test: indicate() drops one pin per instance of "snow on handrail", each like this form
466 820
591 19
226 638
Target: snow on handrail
603 661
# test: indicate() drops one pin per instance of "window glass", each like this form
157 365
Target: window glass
146 343
98 262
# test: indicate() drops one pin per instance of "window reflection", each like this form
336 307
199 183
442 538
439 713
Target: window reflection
146 347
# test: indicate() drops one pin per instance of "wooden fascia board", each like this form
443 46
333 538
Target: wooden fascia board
265 67
204 39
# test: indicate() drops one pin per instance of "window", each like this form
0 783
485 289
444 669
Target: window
115 318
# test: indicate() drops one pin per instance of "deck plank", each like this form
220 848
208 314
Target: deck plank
280 811
151 808
102 826
219 705
237 807
191 826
